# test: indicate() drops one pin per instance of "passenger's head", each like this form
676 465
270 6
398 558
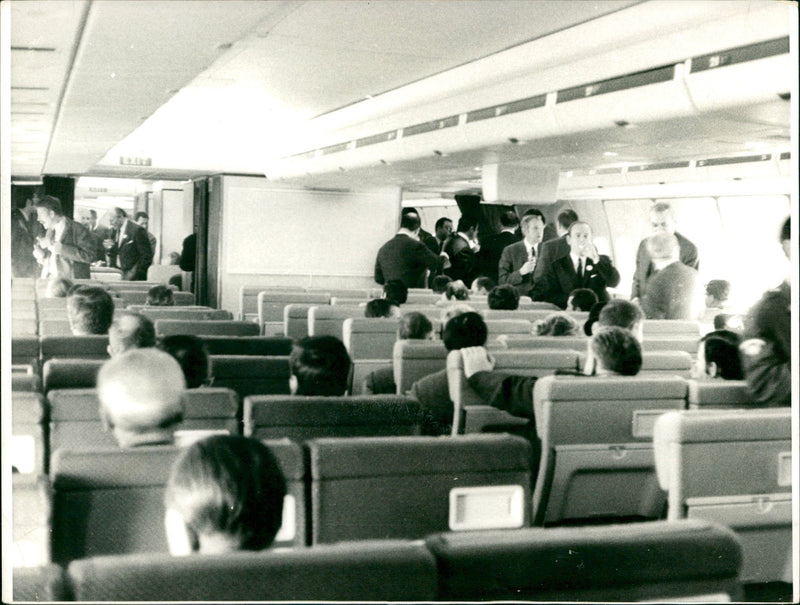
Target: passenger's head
456 290
663 249
191 354
615 351
443 228
48 210
565 219
532 226
320 365
622 314
662 218
58 287
128 331
160 296
395 291
410 221
509 220
718 356
504 297
440 283
90 310
581 299
482 285
468 225
786 237
141 219
557 324
414 326
452 310
141 396
381 307
465 330
225 493
717 293
579 238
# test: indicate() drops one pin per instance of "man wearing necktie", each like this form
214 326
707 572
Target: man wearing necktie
518 261
581 267
66 249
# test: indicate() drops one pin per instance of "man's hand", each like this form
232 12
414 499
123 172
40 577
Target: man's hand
476 359
592 253
528 267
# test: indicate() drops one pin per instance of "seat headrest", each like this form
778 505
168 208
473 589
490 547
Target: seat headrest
578 388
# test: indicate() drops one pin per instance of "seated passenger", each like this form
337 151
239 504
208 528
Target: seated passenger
320 365
556 324
396 292
718 356
455 290
58 287
413 326
581 299
504 297
622 314
90 310
482 285
141 397
160 296
381 307
191 353
128 331
465 329
440 283
225 493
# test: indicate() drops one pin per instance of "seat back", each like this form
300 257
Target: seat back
426 297
327 320
70 374
251 374
27 450
415 359
208 327
530 314
248 299
156 313
496 327
162 273
667 363
37 584
709 394
386 570
53 327
25 350
295 320
660 342
304 418
655 561
597 451
408 487
672 328
74 347
516 341
369 337
733 467
247 345
271 304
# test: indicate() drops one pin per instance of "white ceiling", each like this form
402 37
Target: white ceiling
202 87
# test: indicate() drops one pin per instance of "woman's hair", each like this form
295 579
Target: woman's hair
192 356
231 485
456 290
160 296
557 324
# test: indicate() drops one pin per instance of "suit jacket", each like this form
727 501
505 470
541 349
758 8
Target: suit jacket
673 293
550 250
135 253
513 257
76 253
433 393
559 279
463 261
406 259
98 235
23 236
380 381
644 268
491 252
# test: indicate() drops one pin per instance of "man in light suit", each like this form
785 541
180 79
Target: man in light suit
674 290
581 267
128 248
404 257
518 261
66 249
558 247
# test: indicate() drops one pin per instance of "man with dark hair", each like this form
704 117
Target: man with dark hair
673 290
518 261
320 365
99 233
413 326
381 307
160 296
492 247
462 249
128 248
621 314
557 247
717 293
767 348
66 249
425 237
581 299
396 292
90 310
466 329
24 231
504 298
143 220
482 285
128 331
613 350
405 258
718 356
191 353
444 229
440 284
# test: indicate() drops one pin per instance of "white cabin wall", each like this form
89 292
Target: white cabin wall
273 235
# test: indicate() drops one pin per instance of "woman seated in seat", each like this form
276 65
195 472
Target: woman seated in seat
225 494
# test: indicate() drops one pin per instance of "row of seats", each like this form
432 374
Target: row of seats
654 561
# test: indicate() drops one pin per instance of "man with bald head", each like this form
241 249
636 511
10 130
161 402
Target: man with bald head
673 290
129 331
141 397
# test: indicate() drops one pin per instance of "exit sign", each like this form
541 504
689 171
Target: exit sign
133 161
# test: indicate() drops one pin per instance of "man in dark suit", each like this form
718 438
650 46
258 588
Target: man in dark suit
518 261
66 249
581 267
99 233
443 230
492 247
425 237
404 257
24 231
662 220
129 249
555 248
462 249
674 291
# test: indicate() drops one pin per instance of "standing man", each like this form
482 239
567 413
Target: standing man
128 248
143 220
673 290
462 249
519 260
558 247
425 237
443 230
493 246
405 258
98 232
24 231
662 220
66 249
581 267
